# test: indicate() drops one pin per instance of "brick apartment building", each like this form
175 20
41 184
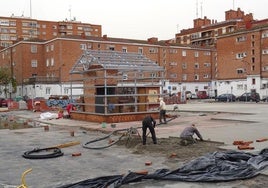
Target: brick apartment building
218 57
244 66
205 31
44 67
14 29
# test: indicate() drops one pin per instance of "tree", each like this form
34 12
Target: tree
5 80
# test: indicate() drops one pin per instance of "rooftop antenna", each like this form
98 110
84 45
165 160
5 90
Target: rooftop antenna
201 9
70 11
30 8
196 8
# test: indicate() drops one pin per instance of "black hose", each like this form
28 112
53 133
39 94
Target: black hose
56 152
128 130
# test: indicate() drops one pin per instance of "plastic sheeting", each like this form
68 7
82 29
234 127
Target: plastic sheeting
213 167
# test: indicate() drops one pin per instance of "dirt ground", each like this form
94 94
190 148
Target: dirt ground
176 154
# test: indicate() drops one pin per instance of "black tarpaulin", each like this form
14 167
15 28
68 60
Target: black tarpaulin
213 167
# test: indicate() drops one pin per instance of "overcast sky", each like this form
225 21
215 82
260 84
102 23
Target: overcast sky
133 19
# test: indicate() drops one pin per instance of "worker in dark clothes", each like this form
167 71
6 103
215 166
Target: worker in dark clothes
187 135
148 122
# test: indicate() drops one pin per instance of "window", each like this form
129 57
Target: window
140 50
25 31
196 65
207 53
183 53
241 39
69 27
87 33
4 30
264 34
34 63
153 50
4 37
265 68
253 81
173 63
172 51
24 24
88 29
196 77
124 49
241 55
47 48
196 54
206 76
12 31
4 22
66 90
240 71
265 51
173 75
33 48
184 77
47 62
195 35
12 23
48 90
207 64
83 46
184 65
52 62
51 47
253 60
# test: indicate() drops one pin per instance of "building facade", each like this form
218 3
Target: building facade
42 68
14 29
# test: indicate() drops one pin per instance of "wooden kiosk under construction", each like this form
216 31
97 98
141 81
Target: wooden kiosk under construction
118 86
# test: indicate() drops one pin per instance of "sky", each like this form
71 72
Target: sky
133 19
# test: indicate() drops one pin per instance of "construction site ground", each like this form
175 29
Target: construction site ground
220 124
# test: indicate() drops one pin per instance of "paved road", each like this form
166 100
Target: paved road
223 122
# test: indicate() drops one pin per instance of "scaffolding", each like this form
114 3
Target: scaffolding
117 82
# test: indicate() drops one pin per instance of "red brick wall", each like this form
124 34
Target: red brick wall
112 118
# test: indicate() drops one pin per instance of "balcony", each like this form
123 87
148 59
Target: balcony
42 80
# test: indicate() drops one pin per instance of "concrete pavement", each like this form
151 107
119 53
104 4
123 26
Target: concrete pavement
222 122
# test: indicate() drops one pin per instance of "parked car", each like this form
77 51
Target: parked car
3 102
227 97
202 95
264 99
194 96
250 96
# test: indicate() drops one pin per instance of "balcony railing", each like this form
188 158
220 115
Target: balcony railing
42 80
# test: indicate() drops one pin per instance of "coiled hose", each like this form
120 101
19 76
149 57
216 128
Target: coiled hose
128 131
33 154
